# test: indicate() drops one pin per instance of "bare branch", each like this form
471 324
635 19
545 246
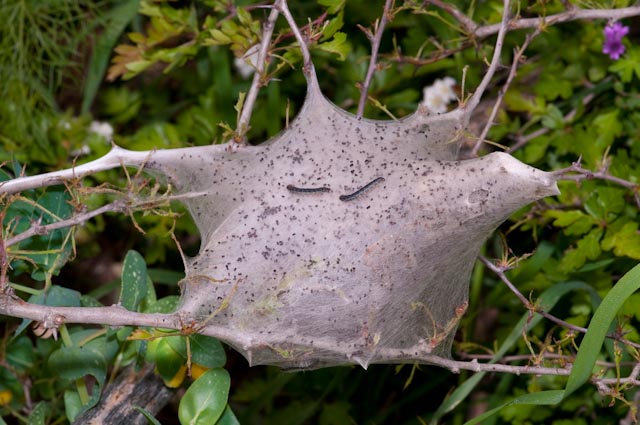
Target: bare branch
53 317
499 271
38 229
256 83
568 16
545 355
468 25
602 174
480 32
375 46
524 139
116 157
471 104
307 67
540 23
512 73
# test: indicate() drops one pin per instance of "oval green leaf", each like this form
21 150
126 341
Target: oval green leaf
134 281
206 399
207 351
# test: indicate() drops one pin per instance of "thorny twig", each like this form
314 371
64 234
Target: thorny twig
116 316
283 7
121 205
474 100
256 83
468 25
500 272
602 174
568 16
481 32
546 355
522 140
38 229
512 73
374 39
53 316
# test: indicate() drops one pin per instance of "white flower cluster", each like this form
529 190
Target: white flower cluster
103 129
437 96
246 65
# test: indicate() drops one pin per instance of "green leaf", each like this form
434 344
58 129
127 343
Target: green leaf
76 362
624 242
333 26
164 305
588 248
120 104
38 414
608 127
136 67
598 327
170 358
134 281
338 45
206 399
540 398
589 347
333 6
148 416
219 37
207 351
547 300
518 101
553 118
243 16
551 87
228 417
575 222
72 404
116 21
55 296
51 251
628 65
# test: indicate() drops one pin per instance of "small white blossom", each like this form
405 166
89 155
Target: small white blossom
84 150
437 96
102 129
246 65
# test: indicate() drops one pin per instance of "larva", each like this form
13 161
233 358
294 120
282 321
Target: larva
360 191
292 188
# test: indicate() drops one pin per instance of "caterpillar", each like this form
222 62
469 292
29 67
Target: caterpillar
295 189
354 195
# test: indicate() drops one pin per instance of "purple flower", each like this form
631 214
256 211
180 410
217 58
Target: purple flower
613 40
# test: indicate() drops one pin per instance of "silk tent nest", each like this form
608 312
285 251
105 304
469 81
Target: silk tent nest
342 240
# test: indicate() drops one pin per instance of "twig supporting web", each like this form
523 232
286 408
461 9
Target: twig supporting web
116 316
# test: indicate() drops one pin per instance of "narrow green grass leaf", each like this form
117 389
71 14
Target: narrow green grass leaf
598 327
116 21
539 398
589 348
546 301
147 415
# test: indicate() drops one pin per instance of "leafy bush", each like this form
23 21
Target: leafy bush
175 80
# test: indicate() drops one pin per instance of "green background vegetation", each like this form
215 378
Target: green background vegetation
177 86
